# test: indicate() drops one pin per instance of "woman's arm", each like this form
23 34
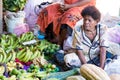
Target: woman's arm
81 56
102 56
79 3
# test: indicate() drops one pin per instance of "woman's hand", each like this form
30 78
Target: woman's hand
64 7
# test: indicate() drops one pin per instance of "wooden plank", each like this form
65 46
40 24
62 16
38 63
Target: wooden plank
1 17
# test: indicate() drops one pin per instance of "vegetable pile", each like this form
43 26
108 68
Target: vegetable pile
13 5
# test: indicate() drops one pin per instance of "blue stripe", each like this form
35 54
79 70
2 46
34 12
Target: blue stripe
85 39
78 48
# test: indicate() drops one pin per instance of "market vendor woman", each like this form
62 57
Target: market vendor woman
89 39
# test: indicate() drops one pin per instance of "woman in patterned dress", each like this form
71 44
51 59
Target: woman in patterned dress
57 17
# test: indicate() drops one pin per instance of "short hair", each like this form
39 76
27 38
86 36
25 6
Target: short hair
91 11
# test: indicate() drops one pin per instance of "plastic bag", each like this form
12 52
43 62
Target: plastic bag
20 29
109 20
12 19
72 60
114 34
67 43
113 67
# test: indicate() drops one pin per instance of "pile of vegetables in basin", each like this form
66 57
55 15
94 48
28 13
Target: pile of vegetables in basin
13 5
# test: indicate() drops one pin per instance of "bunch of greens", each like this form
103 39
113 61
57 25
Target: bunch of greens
13 5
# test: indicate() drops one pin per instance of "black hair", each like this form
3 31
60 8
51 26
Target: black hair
91 11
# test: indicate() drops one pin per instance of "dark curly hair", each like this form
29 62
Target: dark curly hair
91 11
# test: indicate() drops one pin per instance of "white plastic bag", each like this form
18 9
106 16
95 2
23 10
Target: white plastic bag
12 19
72 59
67 43
114 34
113 67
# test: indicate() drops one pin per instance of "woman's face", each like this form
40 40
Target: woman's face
89 23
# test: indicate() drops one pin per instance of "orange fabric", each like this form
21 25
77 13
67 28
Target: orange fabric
52 14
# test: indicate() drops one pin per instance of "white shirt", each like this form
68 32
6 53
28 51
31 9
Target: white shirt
82 42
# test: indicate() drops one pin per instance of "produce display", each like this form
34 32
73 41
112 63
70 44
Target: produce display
30 61
16 56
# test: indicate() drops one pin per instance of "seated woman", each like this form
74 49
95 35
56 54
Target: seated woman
89 40
66 15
